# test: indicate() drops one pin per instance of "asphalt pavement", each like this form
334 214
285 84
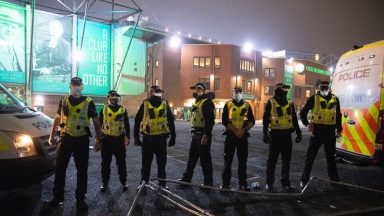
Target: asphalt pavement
361 196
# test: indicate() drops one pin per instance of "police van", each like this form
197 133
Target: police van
358 83
25 155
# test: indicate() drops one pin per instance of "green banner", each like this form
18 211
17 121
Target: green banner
94 68
12 43
133 72
288 79
52 62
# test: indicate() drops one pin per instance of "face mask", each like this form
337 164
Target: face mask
114 101
238 97
76 90
324 93
281 93
194 95
158 94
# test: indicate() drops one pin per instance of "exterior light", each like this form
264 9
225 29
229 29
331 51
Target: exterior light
219 42
189 35
290 60
210 40
77 55
317 57
178 33
174 42
299 68
166 30
200 37
248 47
331 69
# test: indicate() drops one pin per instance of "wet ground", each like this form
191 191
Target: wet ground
320 198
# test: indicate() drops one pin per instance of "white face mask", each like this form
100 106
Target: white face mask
238 97
158 94
76 90
324 93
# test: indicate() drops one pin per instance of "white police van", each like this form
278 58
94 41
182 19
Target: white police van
25 155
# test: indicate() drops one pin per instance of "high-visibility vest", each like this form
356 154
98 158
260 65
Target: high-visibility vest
237 114
76 122
281 116
197 118
112 125
323 111
155 120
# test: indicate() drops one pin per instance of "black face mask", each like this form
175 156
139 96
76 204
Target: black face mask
114 101
194 95
280 93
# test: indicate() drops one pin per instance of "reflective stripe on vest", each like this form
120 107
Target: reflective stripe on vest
77 122
281 116
111 126
237 114
197 118
324 112
155 120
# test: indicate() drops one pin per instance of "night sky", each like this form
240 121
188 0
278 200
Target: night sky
325 26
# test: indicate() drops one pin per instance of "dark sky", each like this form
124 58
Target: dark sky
325 26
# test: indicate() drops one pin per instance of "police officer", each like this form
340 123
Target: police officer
238 119
325 126
202 121
156 122
73 119
115 136
280 117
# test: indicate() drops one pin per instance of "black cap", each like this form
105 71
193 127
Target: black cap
238 89
113 93
76 81
324 85
282 85
198 85
156 89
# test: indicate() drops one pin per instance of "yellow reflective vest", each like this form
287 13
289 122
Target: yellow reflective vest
112 124
237 114
76 122
323 111
281 116
197 118
155 120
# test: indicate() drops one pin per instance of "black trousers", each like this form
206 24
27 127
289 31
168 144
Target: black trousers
281 143
203 152
113 146
328 138
154 145
79 147
230 145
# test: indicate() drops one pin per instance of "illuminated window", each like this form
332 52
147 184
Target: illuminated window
249 86
269 73
195 62
156 64
207 62
201 62
247 65
217 62
308 93
268 90
157 82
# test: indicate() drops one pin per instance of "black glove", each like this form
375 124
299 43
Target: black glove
172 141
266 138
298 137
138 141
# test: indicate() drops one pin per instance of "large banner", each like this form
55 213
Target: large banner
94 69
52 63
12 43
133 74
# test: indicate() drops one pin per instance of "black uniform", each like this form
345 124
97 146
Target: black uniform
281 142
154 144
321 134
203 151
79 147
232 143
114 145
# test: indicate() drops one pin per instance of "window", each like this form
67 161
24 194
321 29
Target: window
268 90
269 73
156 63
217 62
157 82
217 84
247 65
201 62
244 85
249 86
206 82
308 93
297 92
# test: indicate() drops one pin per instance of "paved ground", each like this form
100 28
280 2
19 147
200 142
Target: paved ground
320 199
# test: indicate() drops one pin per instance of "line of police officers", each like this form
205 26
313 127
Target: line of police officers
155 122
